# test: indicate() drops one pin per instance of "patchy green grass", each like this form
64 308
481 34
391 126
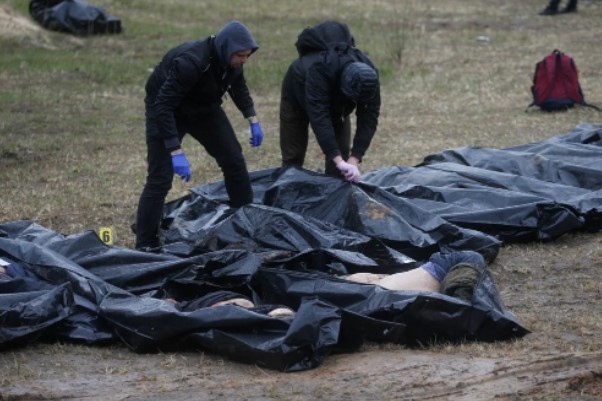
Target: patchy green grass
71 109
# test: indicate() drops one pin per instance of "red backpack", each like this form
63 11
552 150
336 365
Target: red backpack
556 83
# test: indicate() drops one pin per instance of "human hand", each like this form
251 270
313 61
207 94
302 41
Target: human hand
256 134
349 171
181 166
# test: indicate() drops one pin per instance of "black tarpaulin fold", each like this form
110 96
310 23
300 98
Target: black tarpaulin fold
291 247
73 16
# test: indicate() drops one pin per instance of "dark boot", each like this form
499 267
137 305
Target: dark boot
571 7
551 9
461 280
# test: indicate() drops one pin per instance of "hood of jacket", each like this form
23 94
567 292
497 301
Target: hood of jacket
324 36
232 38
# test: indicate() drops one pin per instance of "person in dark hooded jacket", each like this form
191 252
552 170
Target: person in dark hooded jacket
184 95
329 80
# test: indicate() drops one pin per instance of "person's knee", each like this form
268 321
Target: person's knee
296 162
238 184
158 186
293 146
233 163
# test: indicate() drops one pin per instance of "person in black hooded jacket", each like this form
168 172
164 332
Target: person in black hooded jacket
328 81
184 95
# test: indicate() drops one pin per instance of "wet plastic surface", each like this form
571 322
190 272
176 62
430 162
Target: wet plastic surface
73 16
303 230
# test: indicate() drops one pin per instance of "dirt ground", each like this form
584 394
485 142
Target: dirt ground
554 289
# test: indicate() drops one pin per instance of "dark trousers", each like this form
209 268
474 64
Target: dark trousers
212 130
294 136
553 4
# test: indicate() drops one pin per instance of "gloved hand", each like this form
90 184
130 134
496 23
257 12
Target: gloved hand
349 171
181 166
256 134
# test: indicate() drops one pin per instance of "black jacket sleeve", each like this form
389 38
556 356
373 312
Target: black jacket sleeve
182 75
367 120
241 96
319 85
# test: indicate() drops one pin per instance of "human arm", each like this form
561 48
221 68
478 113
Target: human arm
170 95
367 121
181 74
319 91
243 101
239 92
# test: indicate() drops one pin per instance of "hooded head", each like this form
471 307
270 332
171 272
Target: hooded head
359 81
232 38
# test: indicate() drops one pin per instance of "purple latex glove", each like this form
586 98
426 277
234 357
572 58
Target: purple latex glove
349 171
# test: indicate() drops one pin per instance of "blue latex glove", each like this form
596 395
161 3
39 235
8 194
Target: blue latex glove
256 134
181 166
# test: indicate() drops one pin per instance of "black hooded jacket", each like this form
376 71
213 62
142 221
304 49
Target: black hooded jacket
192 78
312 84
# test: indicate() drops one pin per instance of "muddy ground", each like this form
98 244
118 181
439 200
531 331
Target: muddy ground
554 289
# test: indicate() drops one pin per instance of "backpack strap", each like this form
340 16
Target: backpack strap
590 105
581 104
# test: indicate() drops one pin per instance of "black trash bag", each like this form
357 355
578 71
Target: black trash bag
411 318
331 315
26 314
287 248
56 290
532 192
305 211
150 325
73 16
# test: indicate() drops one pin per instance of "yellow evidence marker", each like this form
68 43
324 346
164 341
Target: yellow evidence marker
106 235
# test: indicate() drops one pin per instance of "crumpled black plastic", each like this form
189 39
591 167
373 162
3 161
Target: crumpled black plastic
289 248
332 314
73 16
535 191
298 210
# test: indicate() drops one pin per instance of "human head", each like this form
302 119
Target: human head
234 43
359 81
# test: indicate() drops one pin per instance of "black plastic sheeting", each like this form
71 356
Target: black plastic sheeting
289 247
73 16
536 191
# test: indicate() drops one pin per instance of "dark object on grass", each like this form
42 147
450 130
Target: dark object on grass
73 16
552 8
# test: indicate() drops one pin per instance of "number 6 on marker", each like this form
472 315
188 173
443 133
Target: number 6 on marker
106 235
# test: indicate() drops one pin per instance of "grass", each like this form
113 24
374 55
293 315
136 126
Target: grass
71 112
72 120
